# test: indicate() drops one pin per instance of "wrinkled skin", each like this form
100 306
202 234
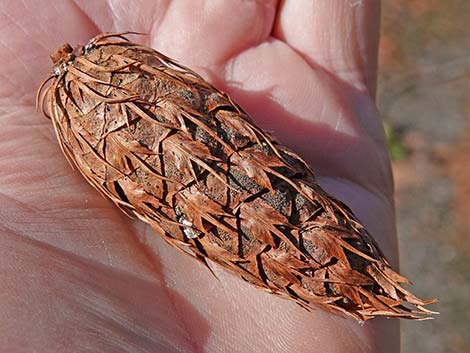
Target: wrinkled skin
76 275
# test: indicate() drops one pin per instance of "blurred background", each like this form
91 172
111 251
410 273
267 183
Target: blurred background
424 97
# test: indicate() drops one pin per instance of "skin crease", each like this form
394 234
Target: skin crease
76 275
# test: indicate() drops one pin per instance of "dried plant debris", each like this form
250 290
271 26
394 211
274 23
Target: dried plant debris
169 148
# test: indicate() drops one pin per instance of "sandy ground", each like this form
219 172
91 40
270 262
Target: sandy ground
424 96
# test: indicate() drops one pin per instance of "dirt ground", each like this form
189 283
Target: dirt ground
424 98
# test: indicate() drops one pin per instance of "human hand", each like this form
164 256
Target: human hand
78 276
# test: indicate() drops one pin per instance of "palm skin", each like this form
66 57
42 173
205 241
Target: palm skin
76 275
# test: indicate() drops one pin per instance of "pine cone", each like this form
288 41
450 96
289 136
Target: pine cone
169 148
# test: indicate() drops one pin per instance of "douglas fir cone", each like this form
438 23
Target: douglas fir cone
166 146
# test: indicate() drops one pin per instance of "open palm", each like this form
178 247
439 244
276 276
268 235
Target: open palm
76 275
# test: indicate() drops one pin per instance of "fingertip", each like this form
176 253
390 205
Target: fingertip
204 33
340 36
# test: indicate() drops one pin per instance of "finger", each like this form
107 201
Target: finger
340 36
125 15
202 33
30 33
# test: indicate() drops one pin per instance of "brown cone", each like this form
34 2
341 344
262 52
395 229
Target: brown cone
166 146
